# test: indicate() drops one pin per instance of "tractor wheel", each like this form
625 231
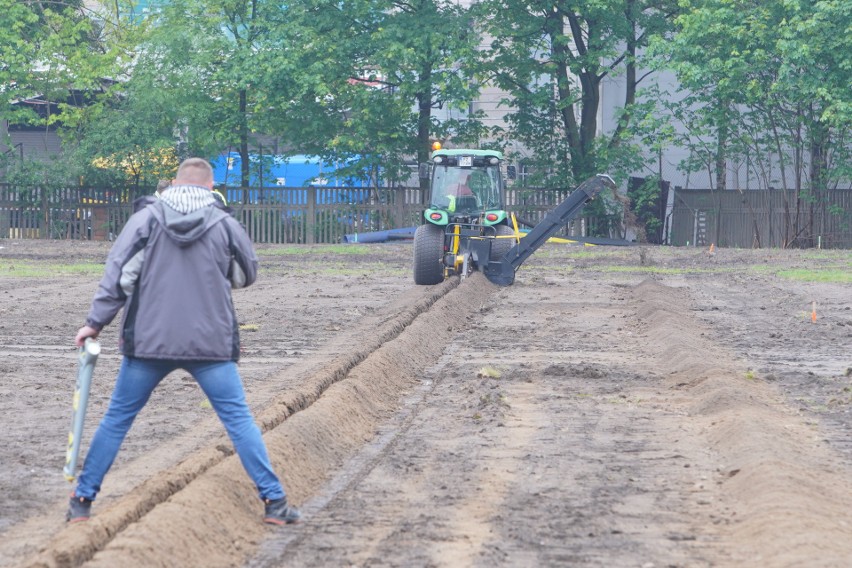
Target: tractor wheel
501 246
428 255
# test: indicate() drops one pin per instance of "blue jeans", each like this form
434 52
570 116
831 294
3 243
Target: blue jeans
219 380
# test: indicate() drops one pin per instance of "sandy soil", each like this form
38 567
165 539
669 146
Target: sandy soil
614 407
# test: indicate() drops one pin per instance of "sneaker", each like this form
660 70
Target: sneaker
79 509
278 512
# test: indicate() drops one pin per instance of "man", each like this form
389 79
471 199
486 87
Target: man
220 197
463 189
162 185
172 268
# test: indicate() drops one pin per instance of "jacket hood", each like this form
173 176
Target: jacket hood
187 212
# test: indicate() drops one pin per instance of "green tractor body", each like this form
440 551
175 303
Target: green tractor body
466 202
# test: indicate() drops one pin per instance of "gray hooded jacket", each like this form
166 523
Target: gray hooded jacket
172 268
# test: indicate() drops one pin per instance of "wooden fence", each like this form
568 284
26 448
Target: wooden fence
761 218
271 215
325 214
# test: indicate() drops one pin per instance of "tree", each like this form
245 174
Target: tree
551 59
42 53
374 95
58 53
207 61
771 80
198 83
18 49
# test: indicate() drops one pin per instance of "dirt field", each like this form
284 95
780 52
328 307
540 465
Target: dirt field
636 406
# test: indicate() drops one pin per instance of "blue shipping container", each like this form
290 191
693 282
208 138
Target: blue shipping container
281 171
293 171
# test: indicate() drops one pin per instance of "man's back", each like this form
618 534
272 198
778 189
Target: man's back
172 262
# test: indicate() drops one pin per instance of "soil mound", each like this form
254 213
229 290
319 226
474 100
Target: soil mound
204 512
777 477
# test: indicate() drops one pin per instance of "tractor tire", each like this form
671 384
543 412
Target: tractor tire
428 255
501 246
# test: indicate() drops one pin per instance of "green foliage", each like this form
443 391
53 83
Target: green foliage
537 52
644 200
363 80
64 171
815 44
551 60
201 82
54 50
18 48
836 210
767 82
214 76
373 95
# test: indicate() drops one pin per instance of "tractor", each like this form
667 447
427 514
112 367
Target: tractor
467 199
466 226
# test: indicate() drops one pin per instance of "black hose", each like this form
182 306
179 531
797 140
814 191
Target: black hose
525 222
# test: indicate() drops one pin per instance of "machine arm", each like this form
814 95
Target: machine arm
502 271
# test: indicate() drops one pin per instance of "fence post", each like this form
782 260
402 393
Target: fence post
100 222
397 194
311 216
44 230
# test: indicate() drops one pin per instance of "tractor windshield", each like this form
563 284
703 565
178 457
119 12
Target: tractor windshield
466 190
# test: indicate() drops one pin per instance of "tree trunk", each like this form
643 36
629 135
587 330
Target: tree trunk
245 177
629 76
564 95
721 157
818 168
424 120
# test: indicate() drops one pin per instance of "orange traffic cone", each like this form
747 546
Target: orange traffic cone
813 312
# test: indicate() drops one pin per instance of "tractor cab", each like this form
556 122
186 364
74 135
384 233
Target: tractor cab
466 185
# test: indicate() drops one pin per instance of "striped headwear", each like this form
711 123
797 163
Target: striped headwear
187 198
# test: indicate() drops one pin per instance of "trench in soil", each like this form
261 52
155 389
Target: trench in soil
204 511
